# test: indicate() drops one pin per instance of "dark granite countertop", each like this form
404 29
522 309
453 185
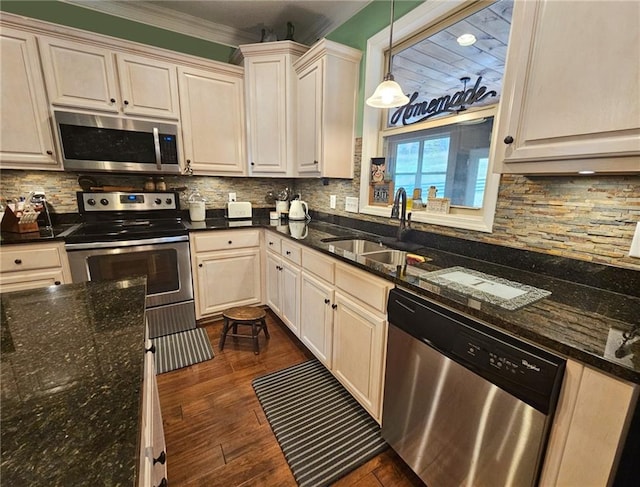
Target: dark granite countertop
584 317
72 370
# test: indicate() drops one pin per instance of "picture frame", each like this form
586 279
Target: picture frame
378 169
381 194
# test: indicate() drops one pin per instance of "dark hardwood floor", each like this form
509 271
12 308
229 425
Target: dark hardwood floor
216 432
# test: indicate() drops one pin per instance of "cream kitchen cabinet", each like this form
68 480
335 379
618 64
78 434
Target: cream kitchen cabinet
213 123
153 455
25 131
30 266
571 97
270 94
85 76
316 323
283 276
326 110
360 335
227 270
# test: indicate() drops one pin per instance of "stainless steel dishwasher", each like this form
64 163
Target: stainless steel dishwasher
465 404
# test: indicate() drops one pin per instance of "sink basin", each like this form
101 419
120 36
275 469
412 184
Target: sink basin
389 256
357 246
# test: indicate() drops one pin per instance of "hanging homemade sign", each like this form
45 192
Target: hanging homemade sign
419 111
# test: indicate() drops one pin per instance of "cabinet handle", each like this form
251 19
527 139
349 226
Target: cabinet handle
327 301
334 306
163 482
199 265
18 261
151 349
126 102
113 100
50 152
508 140
57 283
230 242
288 252
253 163
270 243
315 162
162 458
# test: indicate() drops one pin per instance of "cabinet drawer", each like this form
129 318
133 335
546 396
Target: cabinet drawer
363 286
291 252
272 242
27 257
236 239
318 264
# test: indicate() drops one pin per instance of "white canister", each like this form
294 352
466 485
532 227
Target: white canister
197 211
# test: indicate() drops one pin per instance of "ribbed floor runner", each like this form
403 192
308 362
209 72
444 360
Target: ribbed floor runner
323 432
181 350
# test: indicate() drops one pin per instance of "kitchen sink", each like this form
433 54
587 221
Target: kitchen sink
389 256
357 246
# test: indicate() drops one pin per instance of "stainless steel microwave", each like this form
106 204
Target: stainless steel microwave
114 144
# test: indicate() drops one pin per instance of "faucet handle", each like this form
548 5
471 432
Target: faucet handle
409 219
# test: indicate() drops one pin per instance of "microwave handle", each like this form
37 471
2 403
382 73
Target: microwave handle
156 145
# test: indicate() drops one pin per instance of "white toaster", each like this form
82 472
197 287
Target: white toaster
238 210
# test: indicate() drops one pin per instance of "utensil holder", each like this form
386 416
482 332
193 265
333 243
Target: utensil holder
11 223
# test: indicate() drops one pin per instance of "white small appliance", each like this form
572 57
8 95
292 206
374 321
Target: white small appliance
298 210
238 210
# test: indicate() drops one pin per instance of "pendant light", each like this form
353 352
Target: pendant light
388 94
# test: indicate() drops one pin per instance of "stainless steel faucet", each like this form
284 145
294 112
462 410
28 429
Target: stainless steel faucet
396 212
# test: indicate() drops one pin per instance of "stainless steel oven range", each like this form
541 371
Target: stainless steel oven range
128 234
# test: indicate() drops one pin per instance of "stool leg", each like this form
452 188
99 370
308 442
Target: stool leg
264 327
254 333
235 330
225 329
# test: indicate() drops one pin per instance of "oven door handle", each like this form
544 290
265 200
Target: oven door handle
156 146
125 243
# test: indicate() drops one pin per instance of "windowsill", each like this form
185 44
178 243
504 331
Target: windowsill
469 220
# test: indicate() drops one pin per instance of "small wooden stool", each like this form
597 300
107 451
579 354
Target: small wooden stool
244 315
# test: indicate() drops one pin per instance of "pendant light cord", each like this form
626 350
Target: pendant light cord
389 75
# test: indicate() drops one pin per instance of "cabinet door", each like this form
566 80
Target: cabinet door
19 281
290 296
272 281
309 157
226 279
316 323
266 110
359 341
576 107
148 87
212 115
78 75
25 132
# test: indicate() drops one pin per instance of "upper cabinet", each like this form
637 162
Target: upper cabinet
25 131
571 98
270 89
212 114
83 76
326 108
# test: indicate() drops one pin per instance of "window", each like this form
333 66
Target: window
443 138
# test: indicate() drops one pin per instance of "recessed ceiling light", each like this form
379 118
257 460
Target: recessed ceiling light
467 40
586 172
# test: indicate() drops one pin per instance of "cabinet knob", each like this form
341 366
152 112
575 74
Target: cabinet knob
334 306
270 243
508 140
50 152
199 265
230 242
151 349
288 252
315 162
113 100
253 163
126 102
327 301
162 458
18 261
57 283
163 482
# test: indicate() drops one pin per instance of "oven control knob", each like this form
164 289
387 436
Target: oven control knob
91 202
168 201
157 201
104 201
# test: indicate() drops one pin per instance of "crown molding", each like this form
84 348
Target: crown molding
171 20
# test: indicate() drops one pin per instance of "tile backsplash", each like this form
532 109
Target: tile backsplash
588 218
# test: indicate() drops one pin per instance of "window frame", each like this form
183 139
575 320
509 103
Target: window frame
427 14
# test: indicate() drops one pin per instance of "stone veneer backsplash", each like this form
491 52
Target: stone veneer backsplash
589 218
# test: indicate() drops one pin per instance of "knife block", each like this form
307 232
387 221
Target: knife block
11 223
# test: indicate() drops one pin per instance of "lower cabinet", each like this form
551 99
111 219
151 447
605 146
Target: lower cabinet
153 456
283 284
30 266
227 270
316 323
